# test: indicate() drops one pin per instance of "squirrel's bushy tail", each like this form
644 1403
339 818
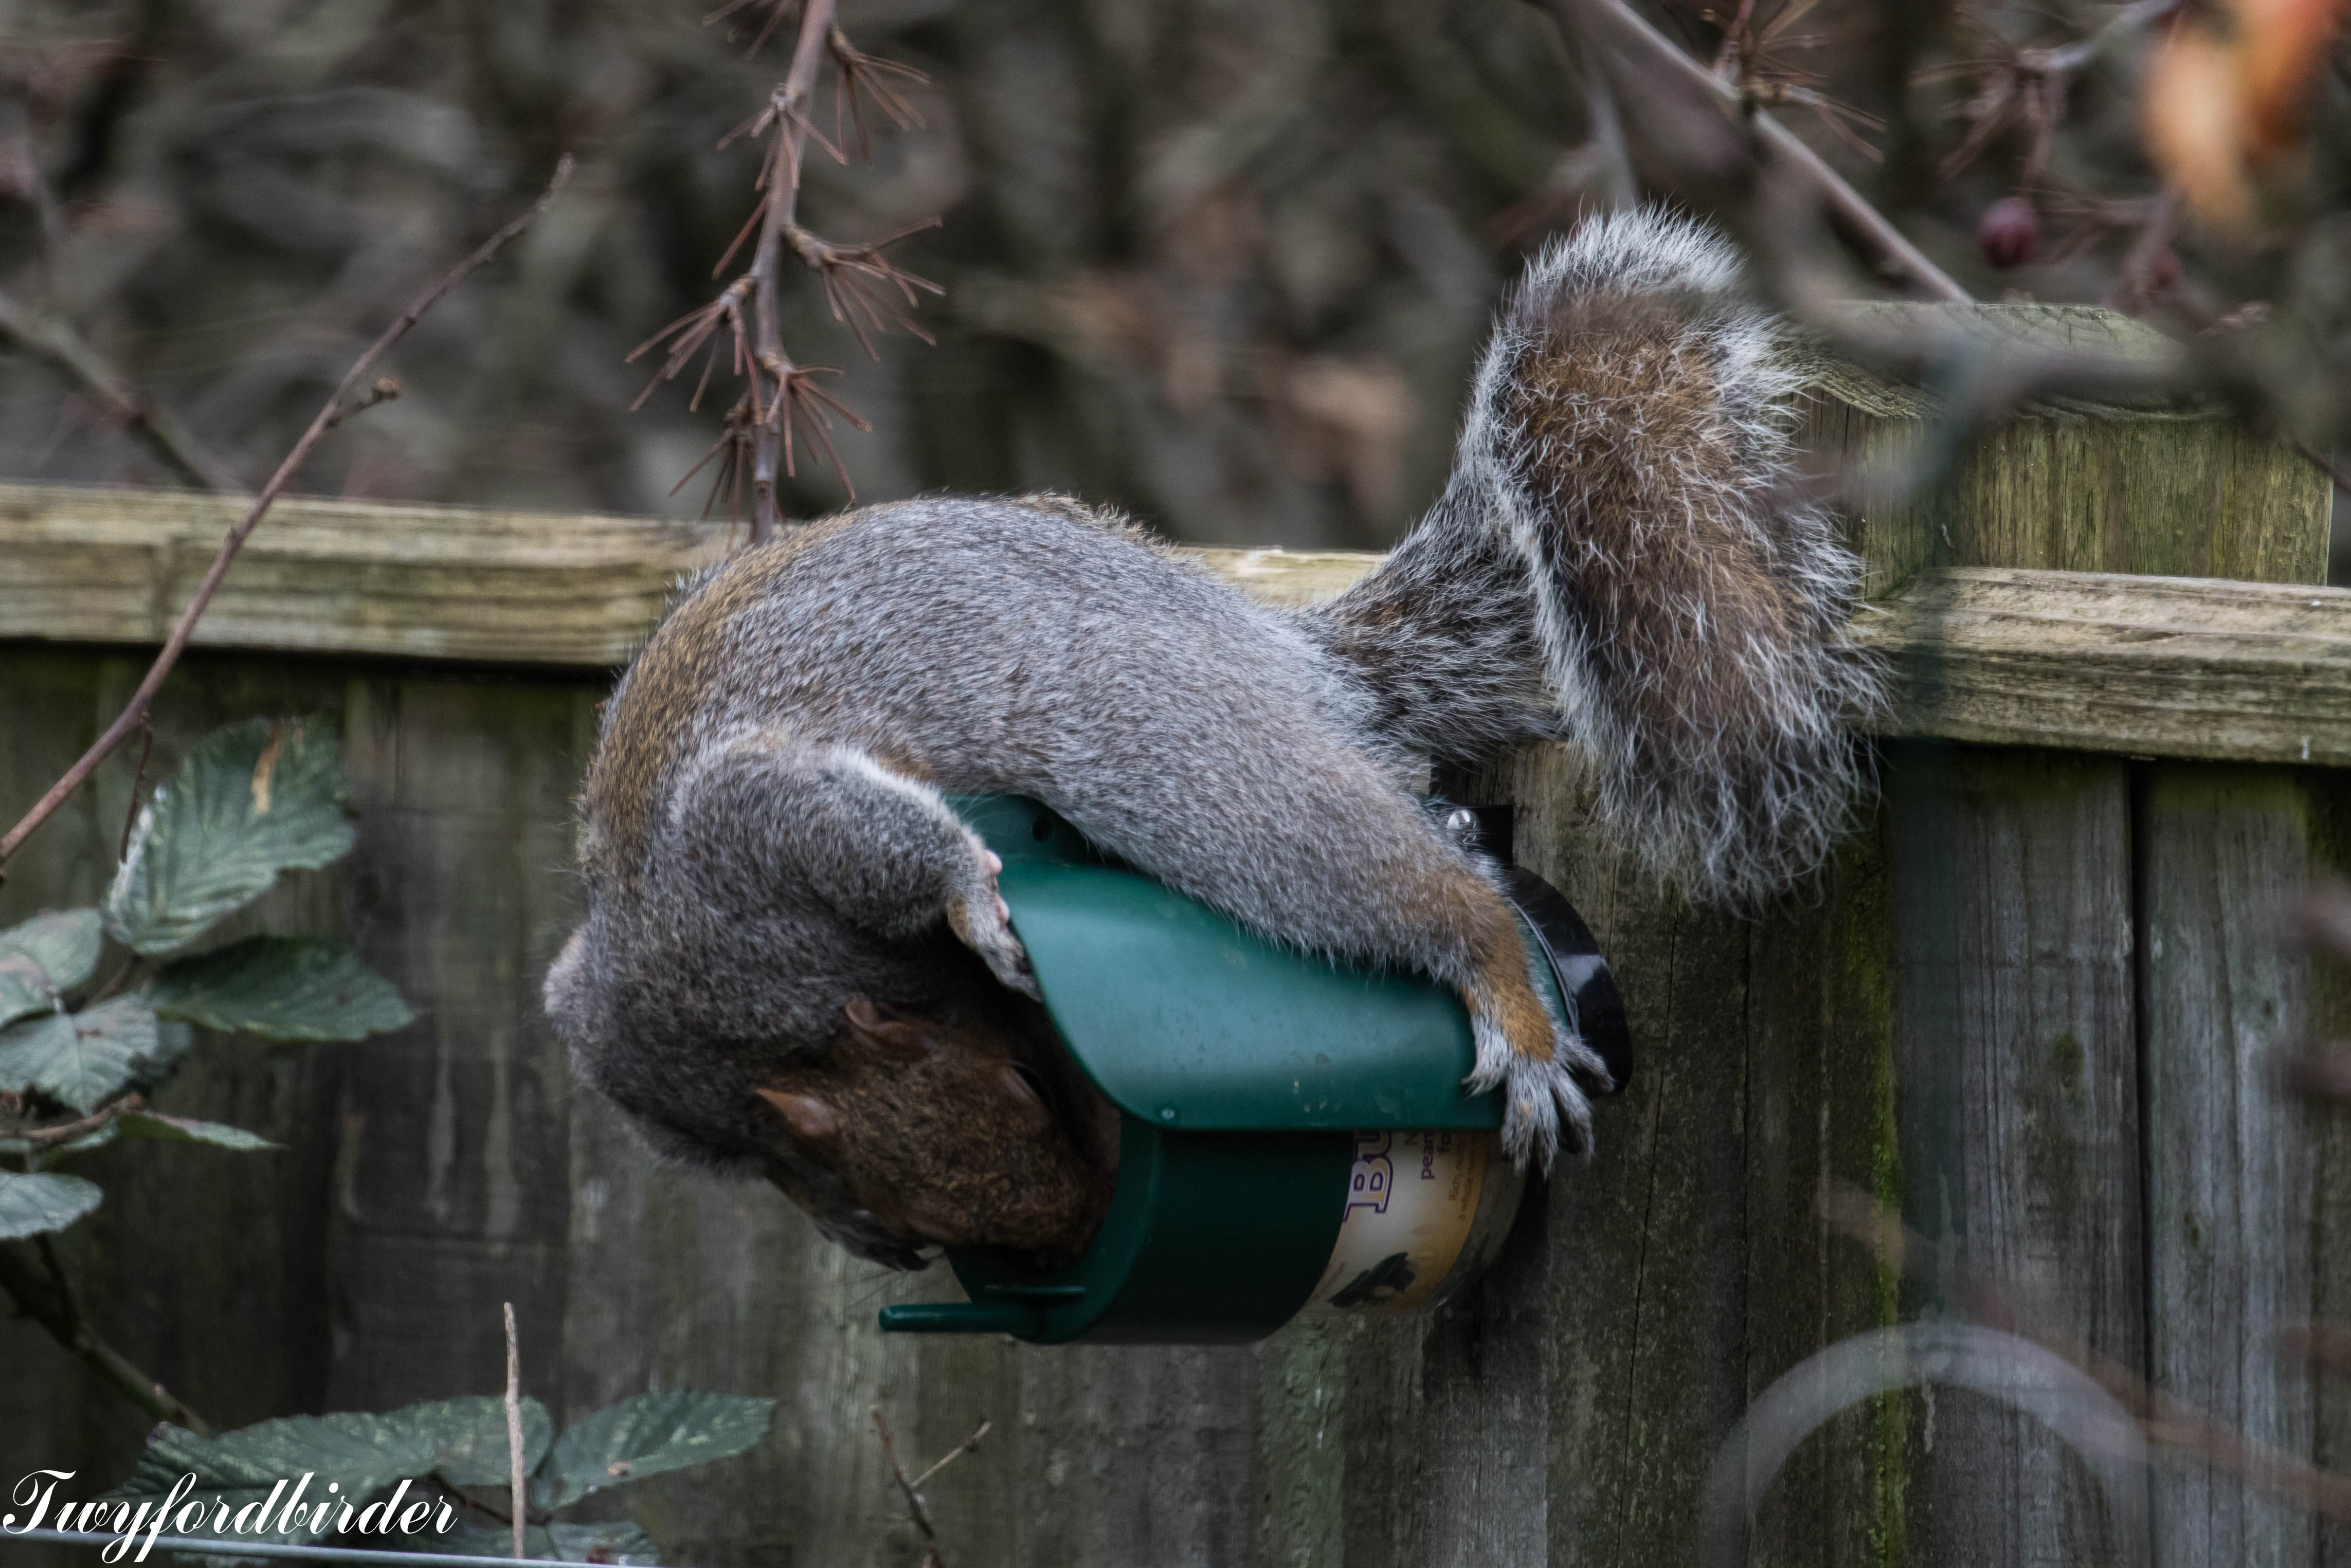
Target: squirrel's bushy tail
1626 517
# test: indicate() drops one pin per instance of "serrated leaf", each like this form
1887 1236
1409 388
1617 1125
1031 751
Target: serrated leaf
35 1205
183 1130
47 953
471 1435
81 1059
365 1456
254 800
645 1435
283 989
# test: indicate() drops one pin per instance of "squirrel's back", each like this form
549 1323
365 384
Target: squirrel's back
977 644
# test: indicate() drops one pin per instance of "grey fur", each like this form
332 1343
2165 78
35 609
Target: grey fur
756 852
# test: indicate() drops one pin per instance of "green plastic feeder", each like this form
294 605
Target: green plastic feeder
1293 1136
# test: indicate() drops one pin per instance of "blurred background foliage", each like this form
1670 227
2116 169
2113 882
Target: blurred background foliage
1225 263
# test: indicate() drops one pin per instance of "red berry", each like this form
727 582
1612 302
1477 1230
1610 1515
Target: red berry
2009 232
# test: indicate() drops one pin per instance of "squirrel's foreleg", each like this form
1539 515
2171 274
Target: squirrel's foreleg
881 849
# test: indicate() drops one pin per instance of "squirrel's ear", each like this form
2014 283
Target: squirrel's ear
812 1121
1024 1098
897 1035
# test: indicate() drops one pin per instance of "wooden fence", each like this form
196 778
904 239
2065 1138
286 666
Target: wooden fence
2034 1010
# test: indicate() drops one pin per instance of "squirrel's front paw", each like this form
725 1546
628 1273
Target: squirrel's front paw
983 923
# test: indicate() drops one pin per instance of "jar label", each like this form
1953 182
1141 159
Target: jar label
1412 1201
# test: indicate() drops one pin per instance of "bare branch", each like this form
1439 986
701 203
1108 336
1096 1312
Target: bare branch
856 280
135 713
912 1490
777 214
53 341
1618 22
864 76
55 1310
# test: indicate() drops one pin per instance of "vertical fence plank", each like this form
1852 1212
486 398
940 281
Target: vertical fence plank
2017 1082
1820 1123
1646 1243
2225 853
1298 1485
455 1190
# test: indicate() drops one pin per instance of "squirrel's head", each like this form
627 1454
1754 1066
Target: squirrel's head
952 1130
936 1111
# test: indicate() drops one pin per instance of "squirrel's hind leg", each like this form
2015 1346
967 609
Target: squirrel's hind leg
1331 855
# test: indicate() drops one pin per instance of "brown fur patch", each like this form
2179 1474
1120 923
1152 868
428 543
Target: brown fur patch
1650 548
942 1148
1505 992
647 719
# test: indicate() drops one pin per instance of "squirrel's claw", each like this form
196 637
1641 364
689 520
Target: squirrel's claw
1543 1101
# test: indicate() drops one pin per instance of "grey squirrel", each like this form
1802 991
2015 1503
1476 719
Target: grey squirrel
794 962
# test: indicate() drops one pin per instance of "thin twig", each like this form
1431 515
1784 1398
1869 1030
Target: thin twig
67 1131
957 1452
1891 244
138 788
777 214
52 341
514 1427
912 1490
35 1299
386 390
135 713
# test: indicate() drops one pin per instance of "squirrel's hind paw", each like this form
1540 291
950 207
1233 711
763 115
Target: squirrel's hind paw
1544 1107
1543 1099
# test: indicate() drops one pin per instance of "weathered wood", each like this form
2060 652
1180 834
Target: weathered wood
2017 1089
1646 1247
1821 1121
2067 484
115 565
2155 666
2160 666
2225 854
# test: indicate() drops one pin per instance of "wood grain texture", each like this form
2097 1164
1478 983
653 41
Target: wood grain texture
1821 1121
2065 486
2225 855
2156 666
2017 1087
2159 667
1646 1244
423 582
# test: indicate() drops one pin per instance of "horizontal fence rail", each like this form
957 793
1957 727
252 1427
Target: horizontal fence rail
2158 666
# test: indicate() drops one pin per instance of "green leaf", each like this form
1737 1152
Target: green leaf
47 953
182 1130
254 800
363 1455
645 1435
82 1059
32 1205
281 988
471 1438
